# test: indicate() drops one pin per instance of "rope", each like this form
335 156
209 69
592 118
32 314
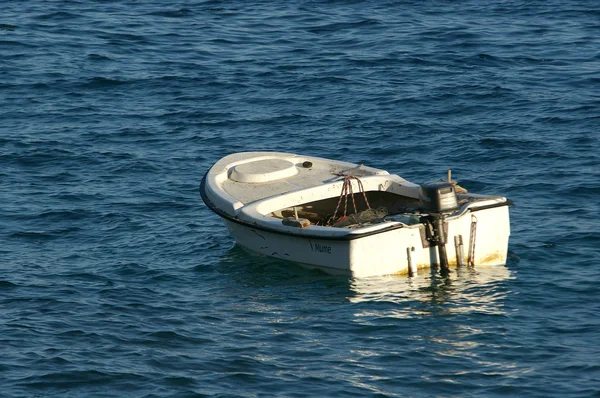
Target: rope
347 189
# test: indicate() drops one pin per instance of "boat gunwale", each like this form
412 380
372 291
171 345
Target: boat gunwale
306 233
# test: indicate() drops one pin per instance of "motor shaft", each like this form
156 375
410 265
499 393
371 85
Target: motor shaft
440 238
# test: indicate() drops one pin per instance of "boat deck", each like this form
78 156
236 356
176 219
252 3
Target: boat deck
251 176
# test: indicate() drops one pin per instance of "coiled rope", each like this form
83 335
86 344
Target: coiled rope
347 190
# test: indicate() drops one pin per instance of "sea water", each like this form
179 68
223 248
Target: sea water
116 280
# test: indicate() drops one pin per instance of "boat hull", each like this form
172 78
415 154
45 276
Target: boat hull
400 251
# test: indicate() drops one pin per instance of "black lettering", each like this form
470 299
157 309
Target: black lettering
322 248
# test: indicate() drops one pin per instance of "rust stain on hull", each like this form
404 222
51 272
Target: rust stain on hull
496 258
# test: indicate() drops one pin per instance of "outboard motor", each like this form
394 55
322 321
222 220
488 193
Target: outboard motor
438 199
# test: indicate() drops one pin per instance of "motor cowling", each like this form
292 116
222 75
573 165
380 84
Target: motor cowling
438 197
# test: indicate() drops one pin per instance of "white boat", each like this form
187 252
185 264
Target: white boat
352 219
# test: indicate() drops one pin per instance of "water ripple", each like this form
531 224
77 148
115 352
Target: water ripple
117 281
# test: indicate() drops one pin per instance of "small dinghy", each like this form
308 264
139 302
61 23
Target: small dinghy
353 219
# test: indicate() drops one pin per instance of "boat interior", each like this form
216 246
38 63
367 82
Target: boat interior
323 212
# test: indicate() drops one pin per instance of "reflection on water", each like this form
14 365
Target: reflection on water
455 318
465 290
388 322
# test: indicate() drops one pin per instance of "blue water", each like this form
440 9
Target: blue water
116 280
